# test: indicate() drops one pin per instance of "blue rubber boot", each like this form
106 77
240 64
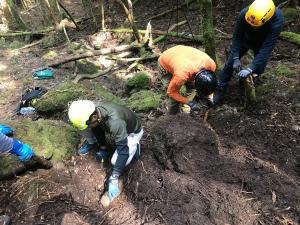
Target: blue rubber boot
86 147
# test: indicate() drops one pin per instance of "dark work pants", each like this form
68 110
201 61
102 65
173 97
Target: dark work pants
227 72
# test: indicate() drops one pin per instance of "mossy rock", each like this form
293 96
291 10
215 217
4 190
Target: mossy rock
45 137
290 14
105 95
282 70
87 67
139 81
10 166
50 55
73 47
291 37
50 41
16 44
56 100
3 43
144 101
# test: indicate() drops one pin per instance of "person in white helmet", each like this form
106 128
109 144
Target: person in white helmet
95 119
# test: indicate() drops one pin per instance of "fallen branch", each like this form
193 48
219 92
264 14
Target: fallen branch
92 53
161 38
70 16
129 13
15 34
29 45
126 60
196 38
91 76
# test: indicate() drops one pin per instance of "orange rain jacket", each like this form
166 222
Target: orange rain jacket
183 62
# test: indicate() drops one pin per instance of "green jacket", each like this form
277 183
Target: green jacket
118 120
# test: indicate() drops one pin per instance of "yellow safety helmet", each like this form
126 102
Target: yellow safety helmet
80 112
259 12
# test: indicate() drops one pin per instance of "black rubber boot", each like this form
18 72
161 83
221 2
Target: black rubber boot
218 97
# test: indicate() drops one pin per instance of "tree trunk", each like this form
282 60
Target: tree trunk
88 8
7 18
16 17
129 13
55 10
208 28
46 12
101 5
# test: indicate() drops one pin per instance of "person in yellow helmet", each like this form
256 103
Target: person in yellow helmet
96 119
257 28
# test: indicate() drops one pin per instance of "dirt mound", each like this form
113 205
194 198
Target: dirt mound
178 190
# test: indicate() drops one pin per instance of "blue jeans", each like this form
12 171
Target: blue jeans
227 72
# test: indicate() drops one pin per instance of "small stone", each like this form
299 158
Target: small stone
296 127
5 220
59 166
105 200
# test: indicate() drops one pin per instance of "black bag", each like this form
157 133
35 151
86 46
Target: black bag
29 95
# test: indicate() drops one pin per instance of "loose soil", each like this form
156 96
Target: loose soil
240 167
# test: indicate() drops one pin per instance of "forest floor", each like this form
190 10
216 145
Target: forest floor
238 168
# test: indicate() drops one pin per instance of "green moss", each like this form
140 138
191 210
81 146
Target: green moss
105 95
46 137
73 47
139 81
57 99
27 80
9 164
290 14
2 42
87 67
50 55
16 44
290 36
265 89
282 70
144 101
50 41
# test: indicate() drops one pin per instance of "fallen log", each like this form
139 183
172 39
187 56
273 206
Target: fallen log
24 33
92 53
126 60
161 38
91 76
196 38
290 37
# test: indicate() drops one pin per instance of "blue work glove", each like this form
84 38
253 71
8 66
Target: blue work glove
194 106
113 187
22 150
237 66
6 130
245 73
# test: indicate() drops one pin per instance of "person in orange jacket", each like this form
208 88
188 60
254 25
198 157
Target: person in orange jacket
184 65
